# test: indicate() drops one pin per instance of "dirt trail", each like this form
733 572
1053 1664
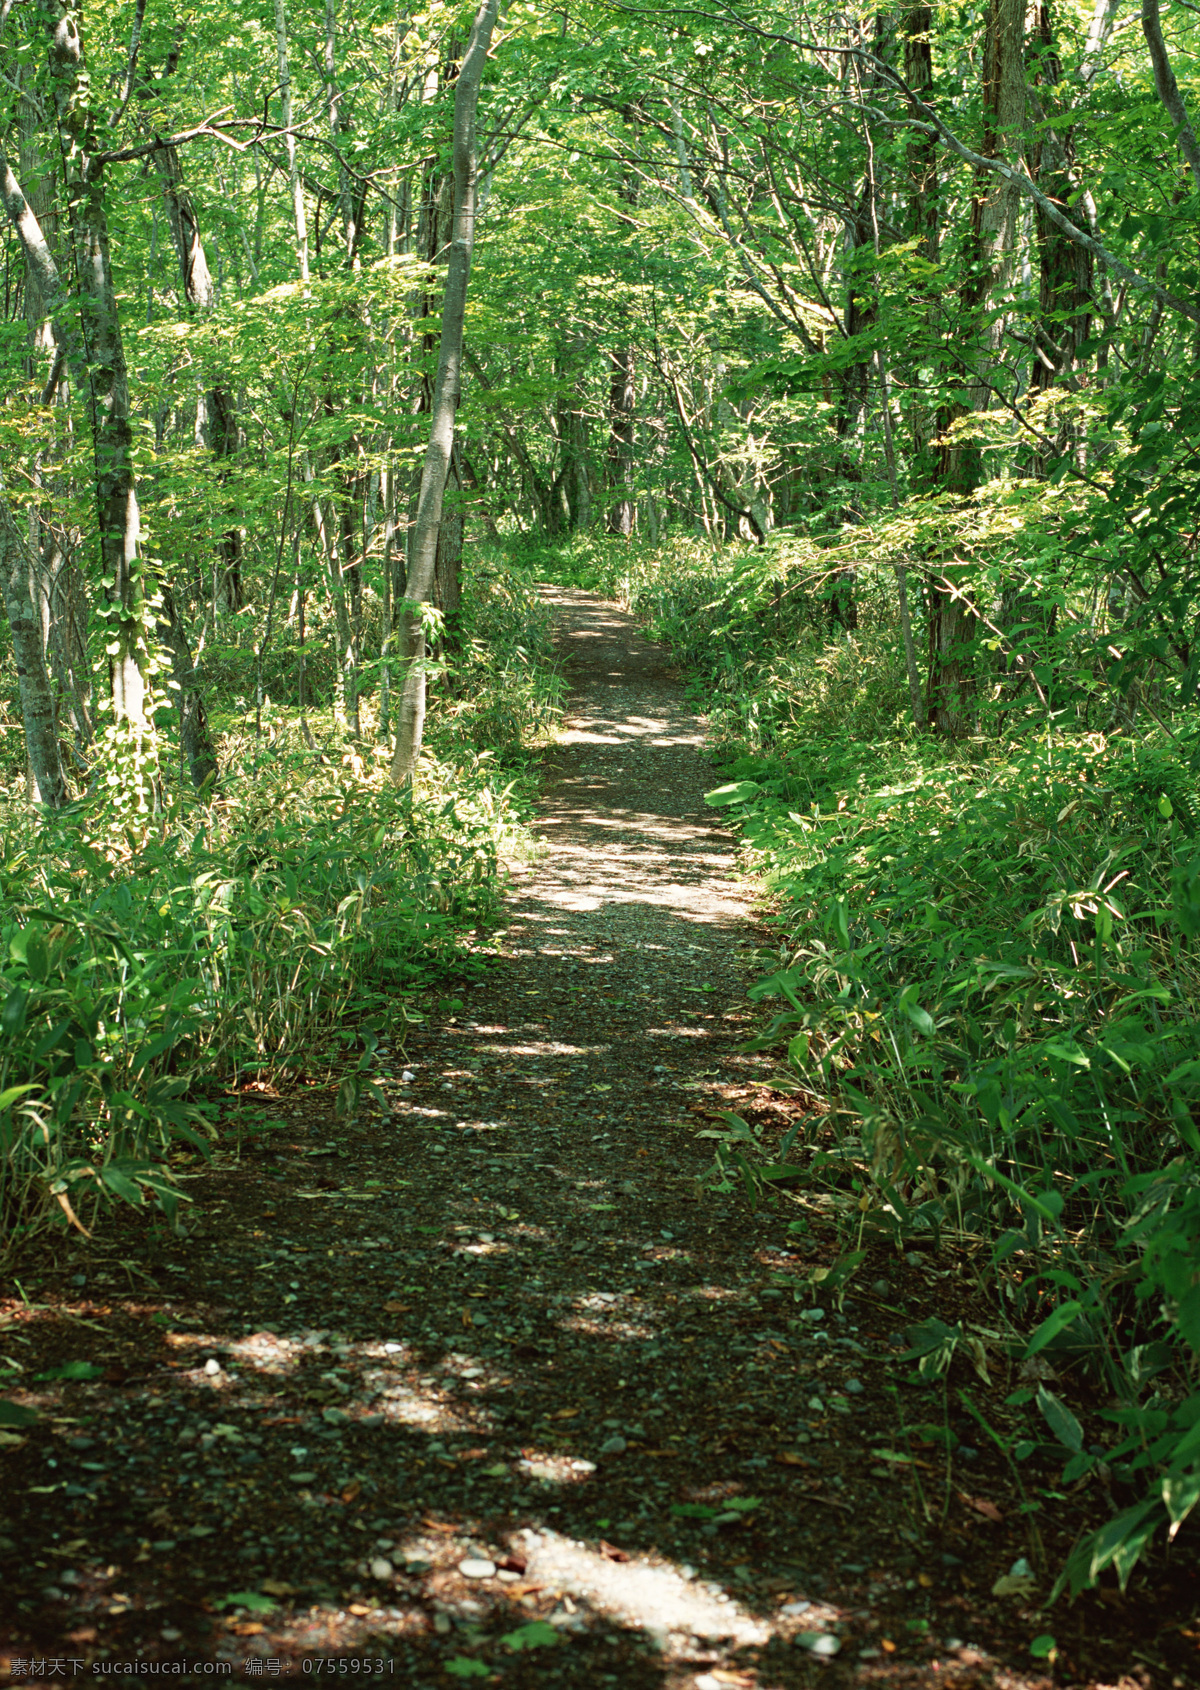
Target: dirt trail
482 1386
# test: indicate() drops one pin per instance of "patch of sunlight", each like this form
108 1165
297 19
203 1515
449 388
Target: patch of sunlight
621 1330
556 1469
639 1593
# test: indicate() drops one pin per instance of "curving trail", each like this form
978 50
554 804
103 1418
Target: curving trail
482 1386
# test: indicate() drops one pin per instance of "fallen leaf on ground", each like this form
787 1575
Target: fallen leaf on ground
982 1506
610 1552
1015 1584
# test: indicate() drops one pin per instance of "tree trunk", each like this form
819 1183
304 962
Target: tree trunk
423 558
17 571
199 290
622 397
94 352
106 382
285 112
952 622
195 735
345 705
1064 316
447 574
620 441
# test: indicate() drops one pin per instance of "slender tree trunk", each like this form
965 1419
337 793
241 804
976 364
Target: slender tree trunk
345 706
339 125
387 491
921 161
18 574
952 622
448 384
447 574
92 348
621 400
195 735
199 290
285 112
1064 316
1168 89
622 397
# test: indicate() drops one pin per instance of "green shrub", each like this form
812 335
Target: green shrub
986 980
239 935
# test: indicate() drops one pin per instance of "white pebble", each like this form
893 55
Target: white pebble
819 1642
472 1569
381 1568
212 1367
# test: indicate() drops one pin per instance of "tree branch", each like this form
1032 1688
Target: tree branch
935 125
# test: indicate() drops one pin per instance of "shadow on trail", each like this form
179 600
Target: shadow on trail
481 1388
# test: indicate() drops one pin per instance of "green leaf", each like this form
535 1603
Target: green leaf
12 1016
12 1093
1043 1648
252 1600
737 792
538 1634
1060 1420
1064 1315
1181 1493
14 1414
73 1370
462 1666
920 1018
123 1186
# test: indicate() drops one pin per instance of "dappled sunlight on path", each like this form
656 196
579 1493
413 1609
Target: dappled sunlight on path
480 1384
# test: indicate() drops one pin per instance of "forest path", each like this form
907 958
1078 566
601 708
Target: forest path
480 1384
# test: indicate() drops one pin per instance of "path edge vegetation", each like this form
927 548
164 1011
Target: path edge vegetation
984 1056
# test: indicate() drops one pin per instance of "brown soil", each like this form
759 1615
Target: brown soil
501 1322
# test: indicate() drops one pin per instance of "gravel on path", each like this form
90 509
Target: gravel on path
483 1384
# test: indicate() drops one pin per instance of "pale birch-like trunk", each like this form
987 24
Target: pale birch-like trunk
103 375
410 726
285 111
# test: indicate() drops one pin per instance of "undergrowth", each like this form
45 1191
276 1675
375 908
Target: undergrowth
307 901
984 992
